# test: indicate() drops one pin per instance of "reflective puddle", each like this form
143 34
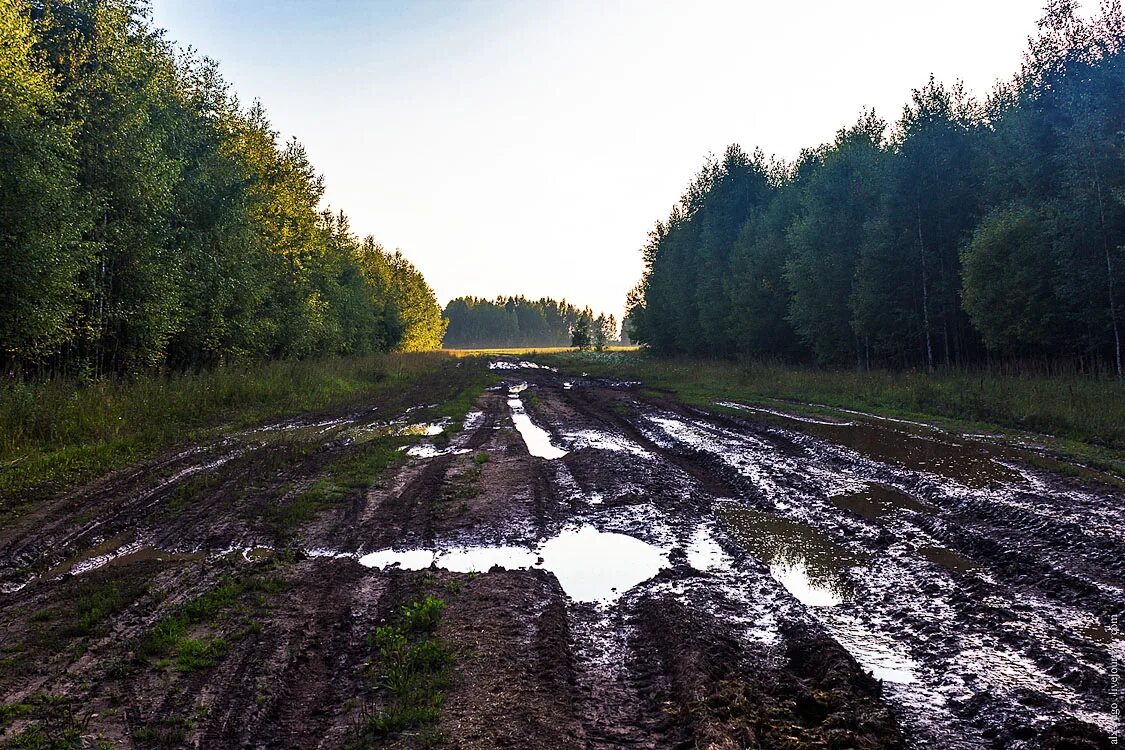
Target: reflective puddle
537 439
802 559
507 364
878 500
970 463
590 565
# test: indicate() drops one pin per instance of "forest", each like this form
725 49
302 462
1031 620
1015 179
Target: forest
477 323
152 221
969 232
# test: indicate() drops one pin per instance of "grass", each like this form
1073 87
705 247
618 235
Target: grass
170 643
346 477
55 723
1085 415
58 433
411 670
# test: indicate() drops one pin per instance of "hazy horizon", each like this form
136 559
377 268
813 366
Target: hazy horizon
511 148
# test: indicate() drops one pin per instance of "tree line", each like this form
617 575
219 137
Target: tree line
506 322
150 220
967 232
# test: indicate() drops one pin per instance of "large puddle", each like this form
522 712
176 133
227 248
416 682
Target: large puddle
802 559
590 565
537 439
814 570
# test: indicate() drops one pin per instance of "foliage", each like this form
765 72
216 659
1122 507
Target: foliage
511 322
968 233
581 335
411 669
59 432
150 221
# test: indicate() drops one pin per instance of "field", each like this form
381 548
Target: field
561 550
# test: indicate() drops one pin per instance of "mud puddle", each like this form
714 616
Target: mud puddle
590 565
537 440
812 567
878 500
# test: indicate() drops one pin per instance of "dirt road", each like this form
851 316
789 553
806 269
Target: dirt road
618 570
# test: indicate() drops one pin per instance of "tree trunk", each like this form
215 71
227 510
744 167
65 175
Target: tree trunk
925 291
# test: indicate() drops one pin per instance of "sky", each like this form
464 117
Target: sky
528 146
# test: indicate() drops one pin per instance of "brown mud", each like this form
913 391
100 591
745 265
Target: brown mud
677 579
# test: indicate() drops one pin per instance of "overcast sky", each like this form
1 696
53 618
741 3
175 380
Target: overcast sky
528 146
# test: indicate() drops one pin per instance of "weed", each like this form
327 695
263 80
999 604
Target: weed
411 671
168 732
168 640
465 484
56 723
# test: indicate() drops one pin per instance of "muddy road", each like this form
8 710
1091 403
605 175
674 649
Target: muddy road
615 569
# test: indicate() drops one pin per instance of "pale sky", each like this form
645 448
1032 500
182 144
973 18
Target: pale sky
520 146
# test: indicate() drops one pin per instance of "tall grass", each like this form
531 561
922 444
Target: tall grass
64 430
1083 408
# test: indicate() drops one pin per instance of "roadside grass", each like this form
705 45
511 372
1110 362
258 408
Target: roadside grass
1082 417
59 433
530 350
411 670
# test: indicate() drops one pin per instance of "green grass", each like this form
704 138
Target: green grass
58 433
93 607
169 642
346 477
411 670
55 723
1086 415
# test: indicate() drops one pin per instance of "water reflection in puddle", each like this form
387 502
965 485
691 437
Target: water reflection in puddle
801 558
537 439
590 565
878 500
594 565
428 450
505 364
970 463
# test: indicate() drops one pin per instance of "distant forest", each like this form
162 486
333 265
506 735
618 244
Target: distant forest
970 231
476 323
150 220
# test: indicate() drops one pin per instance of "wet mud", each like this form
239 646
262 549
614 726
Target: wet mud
618 570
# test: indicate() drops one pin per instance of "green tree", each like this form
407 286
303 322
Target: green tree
840 185
42 215
1008 274
582 335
